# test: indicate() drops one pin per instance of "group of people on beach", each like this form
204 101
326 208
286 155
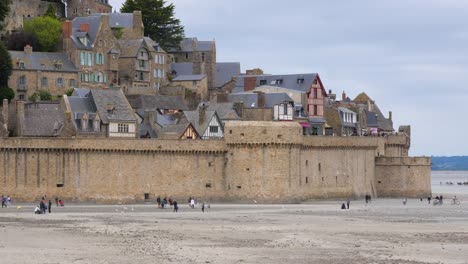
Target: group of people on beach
6 201
163 203
46 206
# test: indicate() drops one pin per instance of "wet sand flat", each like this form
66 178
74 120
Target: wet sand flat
385 231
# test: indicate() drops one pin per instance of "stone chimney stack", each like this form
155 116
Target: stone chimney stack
19 118
390 115
369 106
28 49
67 29
343 96
201 113
5 113
260 99
331 95
138 27
239 108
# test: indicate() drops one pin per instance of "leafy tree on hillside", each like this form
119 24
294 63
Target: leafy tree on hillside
51 12
6 68
159 21
47 30
4 9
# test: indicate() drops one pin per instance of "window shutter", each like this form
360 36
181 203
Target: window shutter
81 58
102 58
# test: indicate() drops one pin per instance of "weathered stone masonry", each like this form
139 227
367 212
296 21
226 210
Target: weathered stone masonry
256 161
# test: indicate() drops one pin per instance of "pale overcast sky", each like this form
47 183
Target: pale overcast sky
410 56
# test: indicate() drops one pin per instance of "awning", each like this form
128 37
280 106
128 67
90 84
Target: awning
305 124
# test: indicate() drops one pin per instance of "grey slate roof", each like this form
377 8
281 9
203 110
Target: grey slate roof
155 102
193 77
251 99
93 22
43 122
225 71
43 61
172 131
182 68
130 48
192 44
371 119
81 92
122 109
289 81
81 104
145 130
225 111
194 118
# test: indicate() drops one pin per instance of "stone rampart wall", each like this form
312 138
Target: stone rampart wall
266 168
403 176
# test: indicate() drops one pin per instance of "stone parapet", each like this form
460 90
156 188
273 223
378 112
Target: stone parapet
403 161
114 145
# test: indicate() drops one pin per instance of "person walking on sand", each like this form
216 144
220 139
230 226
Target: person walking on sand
158 201
4 201
42 206
176 206
8 201
50 206
56 201
203 207
348 201
405 201
429 200
192 203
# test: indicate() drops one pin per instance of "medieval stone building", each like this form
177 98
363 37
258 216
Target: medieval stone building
77 8
202 58
21 10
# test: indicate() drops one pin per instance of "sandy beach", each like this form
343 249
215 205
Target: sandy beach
385 231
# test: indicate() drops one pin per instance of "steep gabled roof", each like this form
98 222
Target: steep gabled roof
155 102
225 111
112 106
298 82
43 122
225 71
43 61
194 118
362 98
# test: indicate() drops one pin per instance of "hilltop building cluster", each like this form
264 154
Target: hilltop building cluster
121 84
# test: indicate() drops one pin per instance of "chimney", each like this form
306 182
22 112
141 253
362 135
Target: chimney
201 113
369 106
66 29
331 95
138 23
221 98
28 49
343 96
84 27
69 129
390 115
260 99
5 113
250 83
19 118
239 108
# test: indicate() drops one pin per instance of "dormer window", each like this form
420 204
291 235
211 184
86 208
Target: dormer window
277 82
263 82
58 66
110 108
83 40
21 65
300 81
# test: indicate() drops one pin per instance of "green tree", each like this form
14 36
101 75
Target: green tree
6 69
48 32
4 9
159 21
51 11
41 95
